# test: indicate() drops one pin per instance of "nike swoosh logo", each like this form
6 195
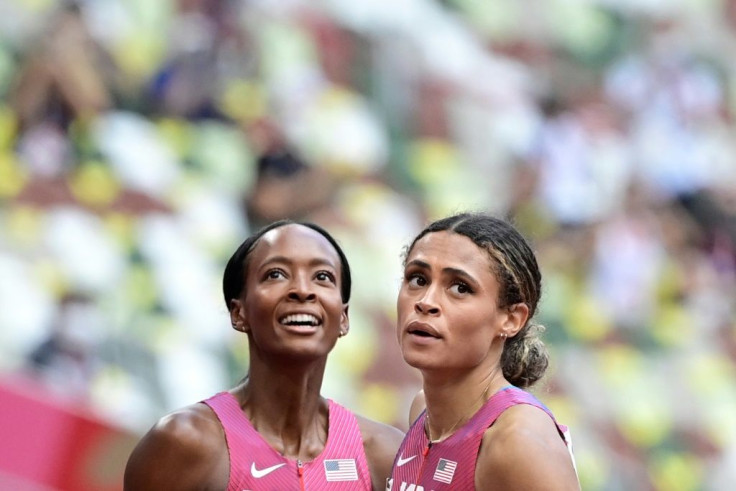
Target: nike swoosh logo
403 461
259 473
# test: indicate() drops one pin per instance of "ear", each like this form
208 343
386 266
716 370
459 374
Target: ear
516 317
237 316
344 321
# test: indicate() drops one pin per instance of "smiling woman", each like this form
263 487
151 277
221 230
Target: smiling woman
287 288
471 287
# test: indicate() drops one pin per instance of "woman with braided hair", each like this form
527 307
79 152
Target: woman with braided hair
470 289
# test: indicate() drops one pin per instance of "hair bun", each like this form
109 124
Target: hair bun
525 357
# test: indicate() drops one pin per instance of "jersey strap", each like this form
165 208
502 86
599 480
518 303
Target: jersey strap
450 464
254 464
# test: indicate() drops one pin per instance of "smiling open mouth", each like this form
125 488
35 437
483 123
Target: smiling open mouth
300 320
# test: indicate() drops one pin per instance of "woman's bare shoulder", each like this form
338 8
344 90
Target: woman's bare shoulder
524 450
381 442
185 449
192 427
379 434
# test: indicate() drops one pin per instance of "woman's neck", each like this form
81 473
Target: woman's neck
452 401
286 408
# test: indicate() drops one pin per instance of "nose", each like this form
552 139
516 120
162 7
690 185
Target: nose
301 290
426 304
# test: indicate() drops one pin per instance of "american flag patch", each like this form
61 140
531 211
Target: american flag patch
341 470
444 471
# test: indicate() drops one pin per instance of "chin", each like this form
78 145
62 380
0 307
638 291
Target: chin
420 360
306 351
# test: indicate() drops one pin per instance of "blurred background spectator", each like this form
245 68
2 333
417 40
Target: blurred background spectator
141 141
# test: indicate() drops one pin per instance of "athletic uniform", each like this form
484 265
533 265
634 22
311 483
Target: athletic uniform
254 465
450 464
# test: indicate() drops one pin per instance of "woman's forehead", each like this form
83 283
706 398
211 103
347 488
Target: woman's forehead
297 242
450 249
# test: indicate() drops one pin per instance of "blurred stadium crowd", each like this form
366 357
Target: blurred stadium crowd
141 141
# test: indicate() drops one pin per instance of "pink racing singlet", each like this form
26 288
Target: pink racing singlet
254 465
450 464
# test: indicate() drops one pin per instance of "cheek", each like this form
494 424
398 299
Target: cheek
401 312
335 308
404 303
332 304
259 304
476 328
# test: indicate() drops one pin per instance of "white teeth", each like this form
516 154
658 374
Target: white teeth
300 319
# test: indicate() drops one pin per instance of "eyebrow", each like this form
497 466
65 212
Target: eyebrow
418 262
287 260
447 271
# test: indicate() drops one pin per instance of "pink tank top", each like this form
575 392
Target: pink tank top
254 465
450 464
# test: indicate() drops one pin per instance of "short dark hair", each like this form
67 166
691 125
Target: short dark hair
524 359
233 279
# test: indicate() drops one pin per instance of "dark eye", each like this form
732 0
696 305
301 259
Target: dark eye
415 279
274 274
461 288
325 276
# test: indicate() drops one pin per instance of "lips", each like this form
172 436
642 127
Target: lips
423 330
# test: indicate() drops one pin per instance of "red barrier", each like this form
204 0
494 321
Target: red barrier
51 444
